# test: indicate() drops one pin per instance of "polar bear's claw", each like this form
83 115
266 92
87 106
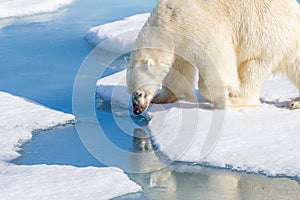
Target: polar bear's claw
295 104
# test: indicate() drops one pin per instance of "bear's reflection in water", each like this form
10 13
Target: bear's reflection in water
194 182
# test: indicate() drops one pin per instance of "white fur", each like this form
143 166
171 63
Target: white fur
233 45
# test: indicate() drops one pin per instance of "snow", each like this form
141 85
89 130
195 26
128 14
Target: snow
63 182
119 36
263 139
18 119
24 11
23 8
116 92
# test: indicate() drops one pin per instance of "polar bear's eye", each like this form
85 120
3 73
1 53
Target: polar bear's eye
139 94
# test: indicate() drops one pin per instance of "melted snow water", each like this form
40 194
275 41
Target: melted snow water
39 61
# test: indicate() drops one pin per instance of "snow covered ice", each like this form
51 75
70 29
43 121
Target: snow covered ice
63 182
260 140
19 11
119 36
21 8
18 119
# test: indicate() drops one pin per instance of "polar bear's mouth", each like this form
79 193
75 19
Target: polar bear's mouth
138 109
139 105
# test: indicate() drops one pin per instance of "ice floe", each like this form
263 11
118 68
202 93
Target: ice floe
19 118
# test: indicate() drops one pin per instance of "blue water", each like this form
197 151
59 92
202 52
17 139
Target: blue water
39 61
60 146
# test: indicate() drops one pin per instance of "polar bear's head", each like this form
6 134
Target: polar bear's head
143 81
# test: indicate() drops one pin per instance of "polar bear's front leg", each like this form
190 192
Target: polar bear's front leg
218 76
214 91
252 75
164 97
178 83
293 74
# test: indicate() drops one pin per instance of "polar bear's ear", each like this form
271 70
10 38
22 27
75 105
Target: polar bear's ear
150 63
126 58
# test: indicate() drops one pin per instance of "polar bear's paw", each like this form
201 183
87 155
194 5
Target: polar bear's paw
164 97
295 104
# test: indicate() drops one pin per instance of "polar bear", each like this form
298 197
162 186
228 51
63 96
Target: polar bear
232 46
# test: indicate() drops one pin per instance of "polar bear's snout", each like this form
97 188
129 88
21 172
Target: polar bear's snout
139 102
